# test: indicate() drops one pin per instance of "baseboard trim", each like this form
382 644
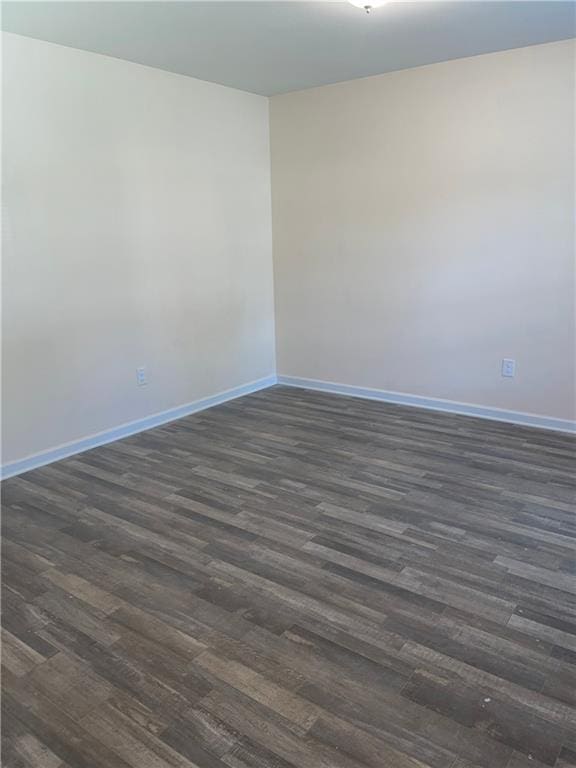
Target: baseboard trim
131 428
434 404
141 425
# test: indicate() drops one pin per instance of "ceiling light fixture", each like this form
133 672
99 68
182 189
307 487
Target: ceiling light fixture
368 5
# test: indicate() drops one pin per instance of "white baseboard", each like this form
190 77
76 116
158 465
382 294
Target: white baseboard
433 403
125 430
131 428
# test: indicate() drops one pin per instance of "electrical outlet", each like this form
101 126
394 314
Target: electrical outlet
508 368
141 376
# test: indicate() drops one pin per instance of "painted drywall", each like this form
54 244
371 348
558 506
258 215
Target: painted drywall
137 232
423 228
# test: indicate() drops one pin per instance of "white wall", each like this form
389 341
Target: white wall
424 230
137 232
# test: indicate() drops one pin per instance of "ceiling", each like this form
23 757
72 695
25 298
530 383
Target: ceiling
273 47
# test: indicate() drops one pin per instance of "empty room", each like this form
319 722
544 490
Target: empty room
288 381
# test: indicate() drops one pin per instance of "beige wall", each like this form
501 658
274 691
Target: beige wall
424 229
137 232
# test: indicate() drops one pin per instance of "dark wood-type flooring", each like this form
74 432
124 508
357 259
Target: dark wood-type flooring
295 579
